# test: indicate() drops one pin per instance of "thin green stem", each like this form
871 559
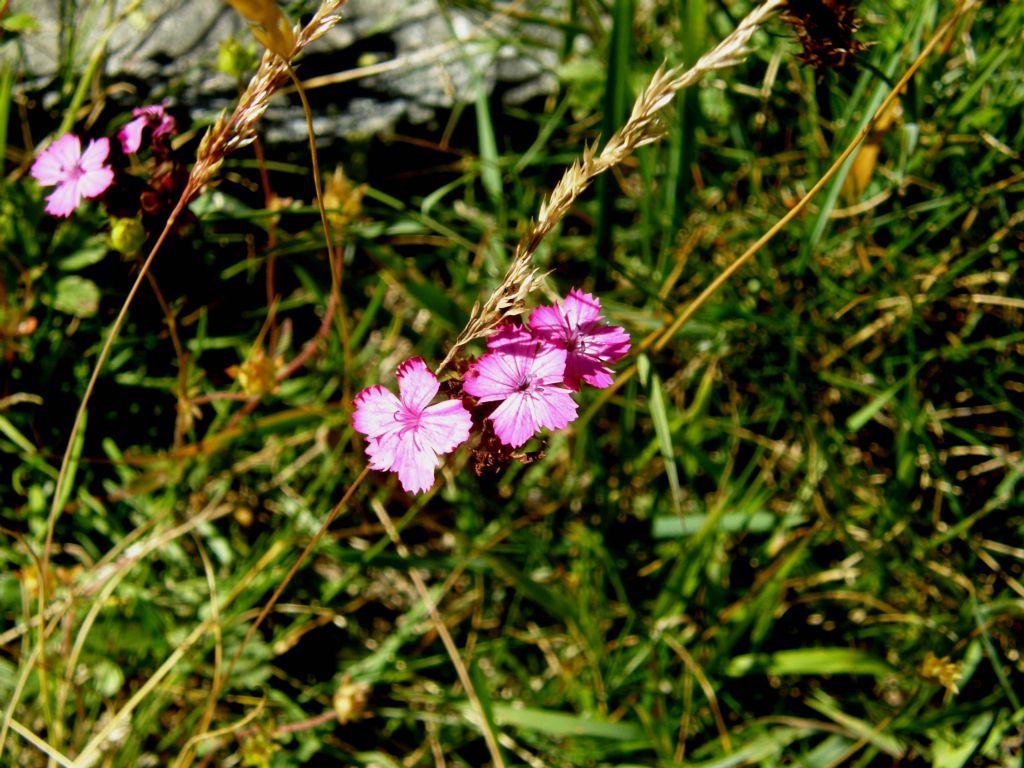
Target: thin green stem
336 273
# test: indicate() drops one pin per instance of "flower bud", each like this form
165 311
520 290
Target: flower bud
235 58
127 236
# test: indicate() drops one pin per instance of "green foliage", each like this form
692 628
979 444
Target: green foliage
794 538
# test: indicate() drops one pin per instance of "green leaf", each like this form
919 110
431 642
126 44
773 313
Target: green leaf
437 301
6 86
91 253
763 749
857 420
16 437
490 167
77 296
72 468
862 730
643 367
480 683
19 22
954 747
107 677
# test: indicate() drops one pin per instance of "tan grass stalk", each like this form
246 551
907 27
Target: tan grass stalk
184 757
709 692
54 755
231 133
644 126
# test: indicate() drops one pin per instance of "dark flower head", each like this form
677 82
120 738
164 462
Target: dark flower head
825 29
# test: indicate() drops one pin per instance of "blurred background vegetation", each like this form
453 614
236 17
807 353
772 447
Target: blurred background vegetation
794 537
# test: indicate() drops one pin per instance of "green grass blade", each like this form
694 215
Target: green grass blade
809 661
6 86
561 725
490 162
760 521
867 732
659 415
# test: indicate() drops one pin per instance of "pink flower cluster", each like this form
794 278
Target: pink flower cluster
79 175
529 371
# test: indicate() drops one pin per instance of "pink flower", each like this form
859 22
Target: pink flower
75 173
508 334
153 115
525 377
406 434
577 327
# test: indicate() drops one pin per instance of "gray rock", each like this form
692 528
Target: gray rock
427 57
160 39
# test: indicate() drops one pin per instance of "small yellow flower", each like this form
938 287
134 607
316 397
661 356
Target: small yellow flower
342 199
277 204
235 58
257 375
940 671
258 750
350 699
